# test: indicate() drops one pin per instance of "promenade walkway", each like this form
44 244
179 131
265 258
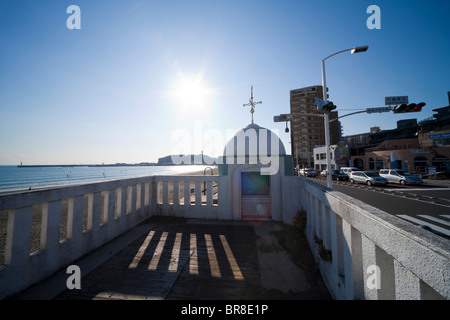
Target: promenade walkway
173 258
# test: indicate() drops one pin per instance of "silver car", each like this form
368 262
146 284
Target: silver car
400 176
367 177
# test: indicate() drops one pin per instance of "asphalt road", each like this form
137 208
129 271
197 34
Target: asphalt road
429 207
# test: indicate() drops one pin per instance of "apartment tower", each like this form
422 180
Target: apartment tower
307 125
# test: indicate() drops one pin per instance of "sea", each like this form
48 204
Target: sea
15 178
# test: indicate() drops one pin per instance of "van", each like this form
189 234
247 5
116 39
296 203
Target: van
349 170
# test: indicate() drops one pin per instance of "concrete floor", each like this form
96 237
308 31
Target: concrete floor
176 259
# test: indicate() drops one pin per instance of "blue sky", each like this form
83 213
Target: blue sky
112 90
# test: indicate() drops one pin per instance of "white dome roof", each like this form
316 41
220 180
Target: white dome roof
246 142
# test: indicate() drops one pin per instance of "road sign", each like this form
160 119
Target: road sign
282 118
320 103
379 110
439 136
390 101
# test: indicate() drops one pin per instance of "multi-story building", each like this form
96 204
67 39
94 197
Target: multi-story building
339 157
307 125
413 145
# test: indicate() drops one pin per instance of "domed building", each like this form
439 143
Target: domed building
253 161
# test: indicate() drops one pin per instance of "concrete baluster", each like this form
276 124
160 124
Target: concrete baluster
198 193
129 200
187 194
90 211
118 203
348 265
407 285
176 194
371 270
209 194
51 224
385 262
96 219
165 192
18 233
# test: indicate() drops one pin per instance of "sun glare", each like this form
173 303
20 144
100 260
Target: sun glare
191 93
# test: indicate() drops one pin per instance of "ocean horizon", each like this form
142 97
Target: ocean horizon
15 178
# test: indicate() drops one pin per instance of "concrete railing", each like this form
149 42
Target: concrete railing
357 247
47 230
207 197
365 253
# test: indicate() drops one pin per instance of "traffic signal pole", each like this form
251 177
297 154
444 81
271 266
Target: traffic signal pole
368 110
327 128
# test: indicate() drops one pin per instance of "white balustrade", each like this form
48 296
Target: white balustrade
188 196
362 252
47 230
366 243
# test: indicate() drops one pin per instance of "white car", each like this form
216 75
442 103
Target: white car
400 176
308 172
367 177
349 170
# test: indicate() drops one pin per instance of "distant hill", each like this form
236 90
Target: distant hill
186 159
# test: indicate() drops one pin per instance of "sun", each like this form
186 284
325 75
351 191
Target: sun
190 93
193 93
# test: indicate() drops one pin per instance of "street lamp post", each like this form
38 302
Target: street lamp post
326 121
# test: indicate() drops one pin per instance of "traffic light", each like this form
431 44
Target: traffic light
419 107
328 107
412 107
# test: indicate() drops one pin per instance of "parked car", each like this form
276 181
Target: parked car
349 170
339 175
400 176
367 177
308 172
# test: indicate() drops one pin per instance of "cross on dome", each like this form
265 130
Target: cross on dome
252 104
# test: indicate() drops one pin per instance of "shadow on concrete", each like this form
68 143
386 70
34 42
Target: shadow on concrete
180 259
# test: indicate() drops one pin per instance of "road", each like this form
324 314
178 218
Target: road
428 207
